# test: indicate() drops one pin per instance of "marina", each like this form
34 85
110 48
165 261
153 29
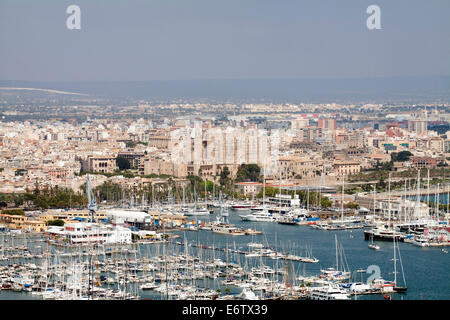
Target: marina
284 262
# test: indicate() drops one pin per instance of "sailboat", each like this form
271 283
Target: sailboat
372 245
335 273
386 232
398 288
222 224
262 215
343 223
196 211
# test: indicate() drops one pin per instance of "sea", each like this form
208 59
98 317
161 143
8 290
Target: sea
426 270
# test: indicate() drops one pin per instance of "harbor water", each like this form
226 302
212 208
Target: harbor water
426 269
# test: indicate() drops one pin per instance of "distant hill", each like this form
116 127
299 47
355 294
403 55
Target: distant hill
379 90
40 90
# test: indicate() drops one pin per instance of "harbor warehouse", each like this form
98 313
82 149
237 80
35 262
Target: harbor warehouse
138 219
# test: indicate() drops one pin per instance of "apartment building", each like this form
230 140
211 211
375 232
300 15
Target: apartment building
327 123
249 188
135 158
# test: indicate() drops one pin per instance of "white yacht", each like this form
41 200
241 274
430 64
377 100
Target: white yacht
299 212
222 225
227 229
255 245
360 288
382 285
259 208
420 240
148 286
196 212
328 293
242 206
258 216
383 233
247 294
253 254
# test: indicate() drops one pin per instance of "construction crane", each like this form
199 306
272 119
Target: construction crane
92 204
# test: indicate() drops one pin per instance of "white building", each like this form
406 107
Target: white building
85 233
230 145
284 200
402 209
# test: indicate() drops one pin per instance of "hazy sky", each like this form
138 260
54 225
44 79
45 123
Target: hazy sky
226 39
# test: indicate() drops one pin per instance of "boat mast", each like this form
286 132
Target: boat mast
337 261
195 197
436 201
448 197
307 200
373 215
404 204
342 199
153 195
280 193
395 266
418 191
389 200
428 188
264 185
401 265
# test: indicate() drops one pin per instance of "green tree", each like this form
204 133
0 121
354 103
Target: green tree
381 184
325 202
248 172
130 144
41 202
224 176
352 205
195 184
14 212
57 222
387 165
400 156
